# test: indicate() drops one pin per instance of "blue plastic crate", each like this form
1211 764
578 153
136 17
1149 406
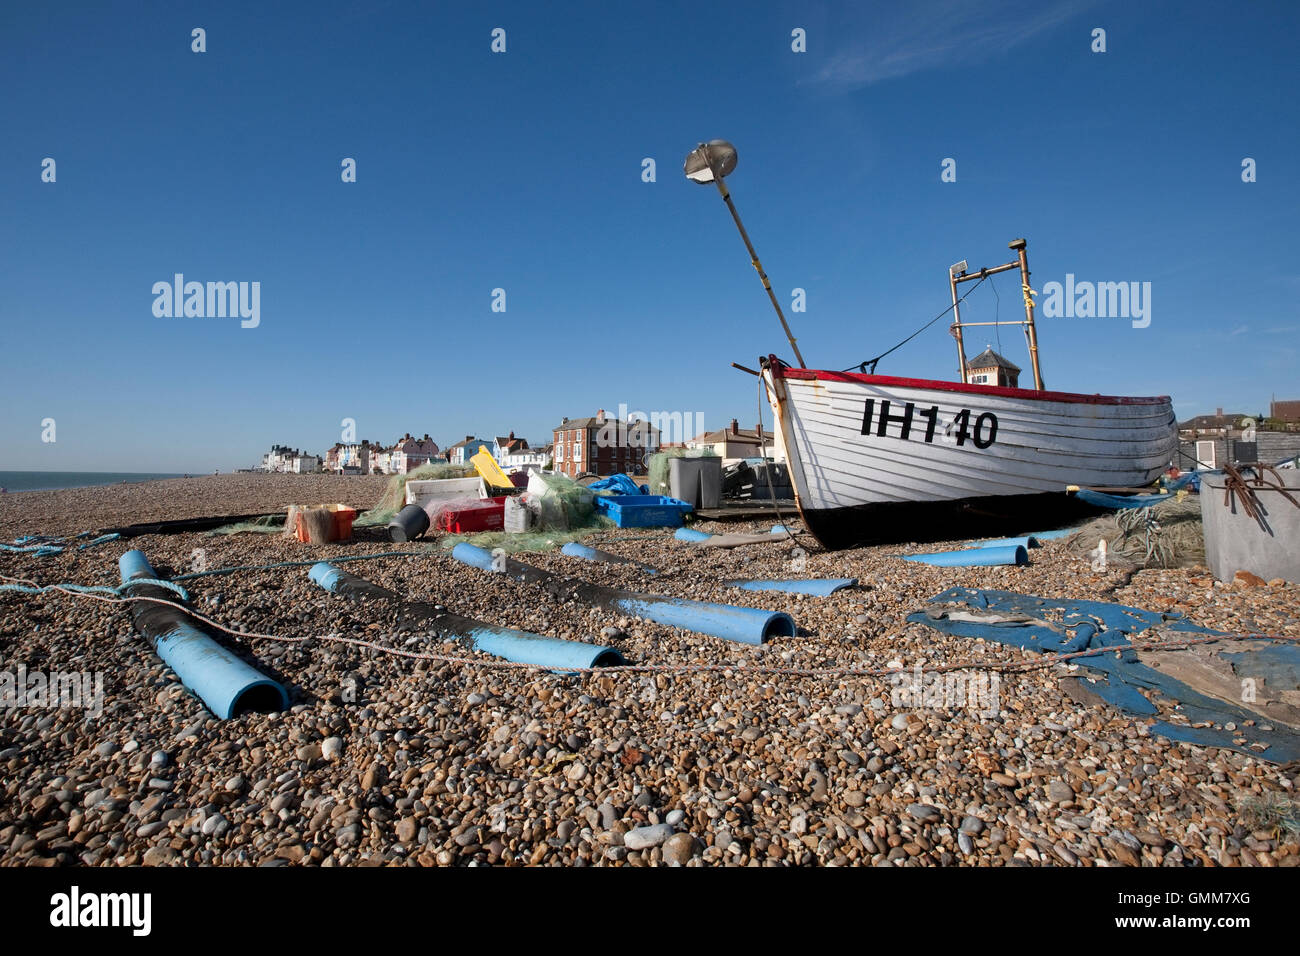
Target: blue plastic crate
643 511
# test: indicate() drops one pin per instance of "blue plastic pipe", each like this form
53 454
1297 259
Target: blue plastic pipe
1028 541
226 684
1053 535
973 557
575 550
523 647
817 587
744 624
690 534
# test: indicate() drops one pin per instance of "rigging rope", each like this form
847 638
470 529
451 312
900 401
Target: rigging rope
863 366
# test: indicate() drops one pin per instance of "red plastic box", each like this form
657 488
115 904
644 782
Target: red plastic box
487 515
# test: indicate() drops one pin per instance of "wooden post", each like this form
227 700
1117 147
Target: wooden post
1030 331
956 324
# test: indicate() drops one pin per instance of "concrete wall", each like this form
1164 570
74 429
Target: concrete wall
1234 541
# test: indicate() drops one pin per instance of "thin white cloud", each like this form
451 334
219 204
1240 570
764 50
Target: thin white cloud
940 33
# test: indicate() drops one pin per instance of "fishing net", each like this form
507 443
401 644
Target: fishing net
267 524
317 524
559 503
562 510
1167 535
394 498
661 461
1274 812
528 541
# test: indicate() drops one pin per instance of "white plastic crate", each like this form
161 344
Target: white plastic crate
435 489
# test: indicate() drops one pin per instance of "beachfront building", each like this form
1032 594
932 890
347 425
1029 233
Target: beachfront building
381 460
603 446
513 454
1210 427
349 458
509 445
410 453
463 451
530 459
279 459
734 442
304 464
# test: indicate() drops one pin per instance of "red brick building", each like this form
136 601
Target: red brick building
1286 412
603 446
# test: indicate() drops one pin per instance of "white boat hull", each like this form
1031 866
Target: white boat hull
876 458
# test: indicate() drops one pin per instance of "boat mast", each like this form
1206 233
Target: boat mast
954 271
958 273
1030 331
712 162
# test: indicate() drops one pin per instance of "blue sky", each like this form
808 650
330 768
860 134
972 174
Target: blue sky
522 170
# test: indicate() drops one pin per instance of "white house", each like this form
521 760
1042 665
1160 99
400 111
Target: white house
507 445
524 460
279 458
381 461
733 442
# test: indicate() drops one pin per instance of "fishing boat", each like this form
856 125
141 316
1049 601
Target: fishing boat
877 459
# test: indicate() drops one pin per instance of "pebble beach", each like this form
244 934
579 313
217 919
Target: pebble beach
446 757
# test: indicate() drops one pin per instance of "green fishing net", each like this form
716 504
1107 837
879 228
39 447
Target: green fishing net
1165 535
527 541
267 524
559 503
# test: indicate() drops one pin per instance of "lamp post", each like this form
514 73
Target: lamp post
711 162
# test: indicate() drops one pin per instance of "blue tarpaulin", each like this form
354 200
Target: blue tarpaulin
1037 624
1191 481
619 484
1103 500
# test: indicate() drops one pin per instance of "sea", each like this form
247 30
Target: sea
52 480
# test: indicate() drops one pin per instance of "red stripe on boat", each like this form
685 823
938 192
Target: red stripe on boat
1024 393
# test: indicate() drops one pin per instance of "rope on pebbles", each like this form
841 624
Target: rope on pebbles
1008 667
30 588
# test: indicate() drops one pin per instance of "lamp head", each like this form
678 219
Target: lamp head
710 161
